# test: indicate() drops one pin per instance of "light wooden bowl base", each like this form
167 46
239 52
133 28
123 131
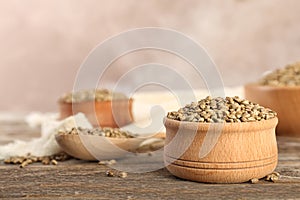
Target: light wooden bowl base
222 173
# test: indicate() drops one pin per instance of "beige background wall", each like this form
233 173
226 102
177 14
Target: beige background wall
43 42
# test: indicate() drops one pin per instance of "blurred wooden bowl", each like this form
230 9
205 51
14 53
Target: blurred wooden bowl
243 151
100 112
101 148
283 100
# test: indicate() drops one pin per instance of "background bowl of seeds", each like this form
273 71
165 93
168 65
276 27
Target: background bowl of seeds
246 147
280 91
106 143
101 107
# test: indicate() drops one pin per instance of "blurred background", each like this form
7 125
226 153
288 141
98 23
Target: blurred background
43 42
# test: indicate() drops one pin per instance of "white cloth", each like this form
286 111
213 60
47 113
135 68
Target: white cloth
46 144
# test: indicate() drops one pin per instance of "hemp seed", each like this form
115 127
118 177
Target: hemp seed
29 159
287 76
53 162
254 180
110 173
273 177
122 174
107 162
25 163
92 95
106 132
218 110
46 161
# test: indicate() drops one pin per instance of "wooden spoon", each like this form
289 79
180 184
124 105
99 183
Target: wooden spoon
100 147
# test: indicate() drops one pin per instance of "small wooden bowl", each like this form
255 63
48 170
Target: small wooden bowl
243 151
100 112
283 100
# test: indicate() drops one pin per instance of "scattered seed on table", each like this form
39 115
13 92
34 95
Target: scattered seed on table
7 161
254 180
28 159
53 162
122 174
273 177
25 163
46 161
107 162
109 173
276 173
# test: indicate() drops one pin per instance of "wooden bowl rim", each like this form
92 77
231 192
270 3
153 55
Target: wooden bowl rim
227 126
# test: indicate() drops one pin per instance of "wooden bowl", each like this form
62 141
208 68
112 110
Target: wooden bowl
283 100
102 148
100 112
243 151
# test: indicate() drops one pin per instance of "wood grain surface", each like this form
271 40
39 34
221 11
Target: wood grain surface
75 179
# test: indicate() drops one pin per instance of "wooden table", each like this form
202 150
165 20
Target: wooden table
77 179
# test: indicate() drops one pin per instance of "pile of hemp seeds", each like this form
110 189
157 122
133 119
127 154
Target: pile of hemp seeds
218 110
287 76
92 95
23 161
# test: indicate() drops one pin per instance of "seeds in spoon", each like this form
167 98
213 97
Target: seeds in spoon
107 132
